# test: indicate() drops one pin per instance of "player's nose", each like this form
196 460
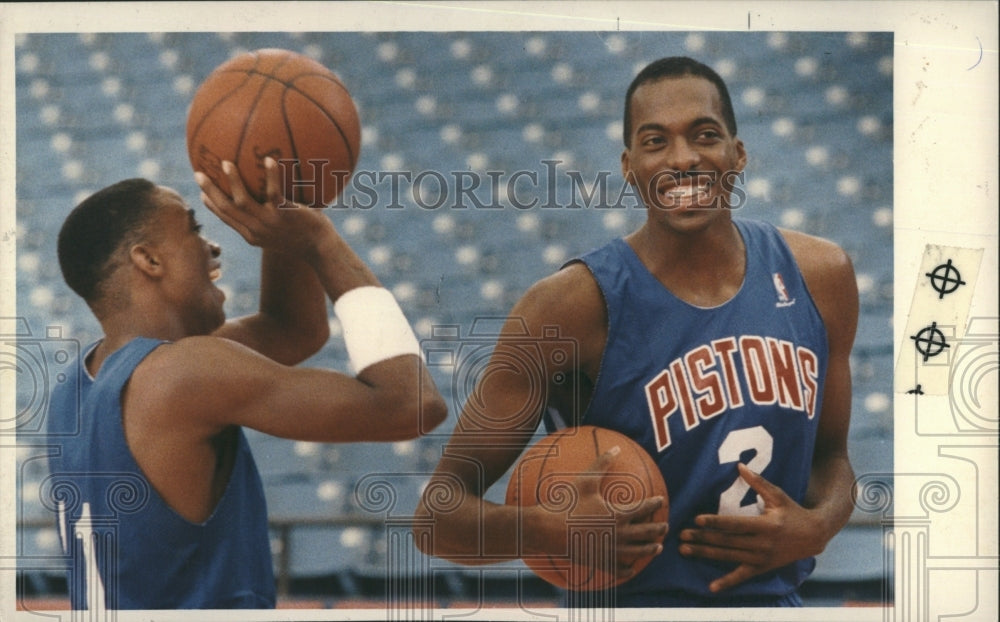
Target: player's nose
681 156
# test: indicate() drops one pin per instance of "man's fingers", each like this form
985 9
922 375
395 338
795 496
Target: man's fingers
640 533
630 553
721 553
590 479
210 192
217 201
771 494
589 483
647 508
236 187
741 574
603 462
718 539
222 206
730 523
274 183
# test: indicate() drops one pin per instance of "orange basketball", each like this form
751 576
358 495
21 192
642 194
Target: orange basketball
280 104
543 476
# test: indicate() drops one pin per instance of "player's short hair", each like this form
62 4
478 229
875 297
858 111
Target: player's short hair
101 224
676 67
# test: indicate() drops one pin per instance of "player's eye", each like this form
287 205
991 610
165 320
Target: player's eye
709 135
195 225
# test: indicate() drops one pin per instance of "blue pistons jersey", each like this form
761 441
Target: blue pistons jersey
705 388
126 549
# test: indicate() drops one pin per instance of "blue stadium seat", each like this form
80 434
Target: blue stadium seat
817 125
314 496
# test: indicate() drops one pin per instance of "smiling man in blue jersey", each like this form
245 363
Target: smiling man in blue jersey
719 344
159 499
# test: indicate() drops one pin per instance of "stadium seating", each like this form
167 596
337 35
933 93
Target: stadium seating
815 111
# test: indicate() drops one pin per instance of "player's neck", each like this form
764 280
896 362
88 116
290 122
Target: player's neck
123 326
718 245
705 267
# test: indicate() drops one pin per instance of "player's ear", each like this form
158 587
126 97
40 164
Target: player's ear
146 259
741 155
627 169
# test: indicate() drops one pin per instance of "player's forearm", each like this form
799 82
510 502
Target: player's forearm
458 536
338 267
294 303
829 494
402 401
477 532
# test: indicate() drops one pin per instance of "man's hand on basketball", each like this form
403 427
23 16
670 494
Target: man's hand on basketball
275 223
636 534
785 532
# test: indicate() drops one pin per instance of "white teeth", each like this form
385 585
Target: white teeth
686 191
215 274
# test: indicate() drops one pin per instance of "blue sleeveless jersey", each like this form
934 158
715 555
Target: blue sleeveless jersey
704 388
126 548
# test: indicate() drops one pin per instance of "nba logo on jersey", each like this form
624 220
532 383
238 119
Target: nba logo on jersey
779 285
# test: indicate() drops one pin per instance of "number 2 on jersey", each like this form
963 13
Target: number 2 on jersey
737 442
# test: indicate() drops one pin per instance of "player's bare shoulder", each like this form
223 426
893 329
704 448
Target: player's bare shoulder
187 357
822 262
569 296
571 301
184 378
829 276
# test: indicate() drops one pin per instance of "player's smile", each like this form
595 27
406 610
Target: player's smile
215 270
214 275
691 191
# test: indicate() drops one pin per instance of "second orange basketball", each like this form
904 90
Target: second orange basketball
544 475
280 104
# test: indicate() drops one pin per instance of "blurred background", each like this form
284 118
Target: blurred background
815 113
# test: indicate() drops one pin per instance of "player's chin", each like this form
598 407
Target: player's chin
216 315
688 217
699 203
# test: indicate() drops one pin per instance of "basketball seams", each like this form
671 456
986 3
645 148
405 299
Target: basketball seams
291 91
290 87
286 81
273 99
595 442
260 95
212 108
246 126
563 568
291 137
550 452
596 445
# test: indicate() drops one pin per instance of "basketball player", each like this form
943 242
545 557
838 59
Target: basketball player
719 344
160 501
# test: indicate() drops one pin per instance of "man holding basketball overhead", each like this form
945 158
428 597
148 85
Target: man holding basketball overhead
160 502
721 345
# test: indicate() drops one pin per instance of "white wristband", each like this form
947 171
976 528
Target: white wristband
374 326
